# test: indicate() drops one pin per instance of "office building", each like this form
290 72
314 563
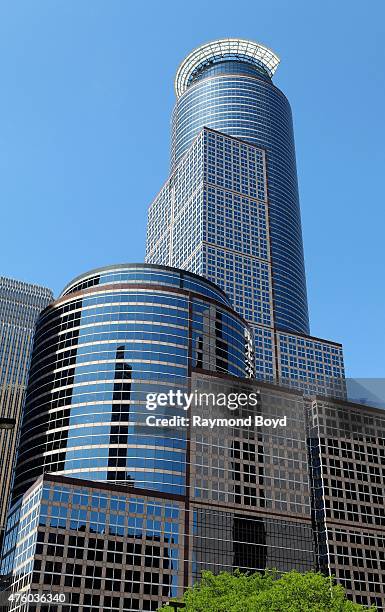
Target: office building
230 211
306 495
119 515
20 305
227 85
130 547
347 450
112 337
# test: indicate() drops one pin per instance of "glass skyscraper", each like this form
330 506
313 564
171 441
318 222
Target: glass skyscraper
20 305
227 85
115 515
112 337
230 211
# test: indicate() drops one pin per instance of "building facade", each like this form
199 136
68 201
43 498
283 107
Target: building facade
106 546
227 85
249 485
230 211
213 217
305 495
101 546
112 337
119 515
347 450
20 305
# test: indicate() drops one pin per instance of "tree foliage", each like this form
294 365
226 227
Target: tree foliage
269 592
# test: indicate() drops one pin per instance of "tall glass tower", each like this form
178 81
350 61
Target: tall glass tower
227 85
115 335
230 210
112 513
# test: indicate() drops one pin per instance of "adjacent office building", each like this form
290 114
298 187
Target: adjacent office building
20 305
347 450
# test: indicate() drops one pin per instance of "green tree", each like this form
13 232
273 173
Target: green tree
269 592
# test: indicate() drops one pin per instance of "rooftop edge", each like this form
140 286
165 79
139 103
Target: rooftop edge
220 48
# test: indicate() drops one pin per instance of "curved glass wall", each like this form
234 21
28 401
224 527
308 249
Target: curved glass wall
114 336
227 66
244 103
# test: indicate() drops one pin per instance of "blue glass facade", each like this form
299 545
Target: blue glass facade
114 336
108 546
94 546
120 516
234 97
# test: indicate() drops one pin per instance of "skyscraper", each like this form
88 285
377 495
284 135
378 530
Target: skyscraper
114 336
116 515
227 85
230 211
20 305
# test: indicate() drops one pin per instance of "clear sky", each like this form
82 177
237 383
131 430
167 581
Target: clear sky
86 96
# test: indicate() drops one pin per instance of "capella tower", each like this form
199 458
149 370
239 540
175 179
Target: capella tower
230 209
115 515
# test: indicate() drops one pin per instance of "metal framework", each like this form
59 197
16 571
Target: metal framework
235 47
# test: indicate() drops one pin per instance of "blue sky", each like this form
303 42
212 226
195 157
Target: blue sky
86 97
